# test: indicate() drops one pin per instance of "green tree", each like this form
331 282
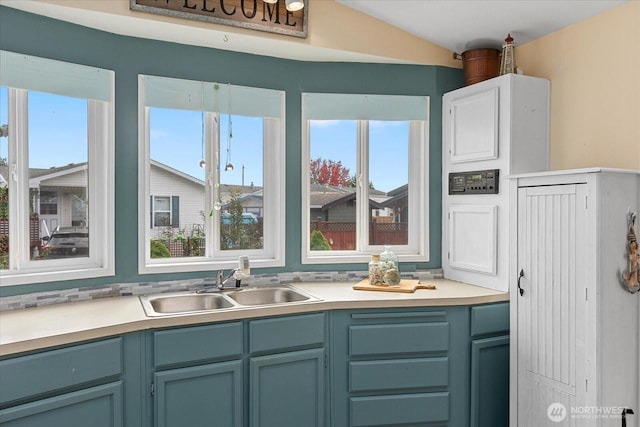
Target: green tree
319 242
235 232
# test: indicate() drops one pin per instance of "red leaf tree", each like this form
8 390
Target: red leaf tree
329 172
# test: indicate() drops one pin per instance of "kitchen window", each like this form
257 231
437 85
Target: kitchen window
56 170
365 184
218 149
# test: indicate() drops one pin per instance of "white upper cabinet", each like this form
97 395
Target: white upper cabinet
474 127
499 124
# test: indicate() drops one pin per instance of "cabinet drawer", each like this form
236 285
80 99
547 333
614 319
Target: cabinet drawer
46 372
198 343
398 374
401 338
400 409
100 406
489 319
285 333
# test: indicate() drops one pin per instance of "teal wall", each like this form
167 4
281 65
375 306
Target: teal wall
129 56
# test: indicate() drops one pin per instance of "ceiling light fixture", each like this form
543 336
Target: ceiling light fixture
293 5
270 1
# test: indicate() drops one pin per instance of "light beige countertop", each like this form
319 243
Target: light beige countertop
40 327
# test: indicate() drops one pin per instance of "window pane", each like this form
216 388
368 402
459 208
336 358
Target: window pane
389 178
332 171
58 183
4 179
241 182
162 204
177 172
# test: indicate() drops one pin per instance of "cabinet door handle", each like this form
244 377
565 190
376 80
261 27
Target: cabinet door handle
520 276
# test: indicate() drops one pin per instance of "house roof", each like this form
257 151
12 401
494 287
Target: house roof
372 203
321 195
55 170
398 196
176 172
325 196
37 175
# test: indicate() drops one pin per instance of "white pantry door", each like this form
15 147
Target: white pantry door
552 307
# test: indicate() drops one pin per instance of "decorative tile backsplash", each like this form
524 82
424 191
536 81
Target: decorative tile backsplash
145 288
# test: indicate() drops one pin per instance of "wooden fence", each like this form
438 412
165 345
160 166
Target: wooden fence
34 231
341 235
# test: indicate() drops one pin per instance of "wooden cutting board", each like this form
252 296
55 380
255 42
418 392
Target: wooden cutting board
406 286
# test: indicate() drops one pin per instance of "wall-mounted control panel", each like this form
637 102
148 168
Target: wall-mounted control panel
476 182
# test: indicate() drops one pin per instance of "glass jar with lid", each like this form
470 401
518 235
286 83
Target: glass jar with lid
390 267
375 270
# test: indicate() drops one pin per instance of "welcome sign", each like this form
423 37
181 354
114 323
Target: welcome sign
253 14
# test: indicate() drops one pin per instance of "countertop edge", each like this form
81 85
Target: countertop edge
14 340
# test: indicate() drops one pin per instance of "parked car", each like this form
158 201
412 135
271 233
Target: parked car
67 242
247 218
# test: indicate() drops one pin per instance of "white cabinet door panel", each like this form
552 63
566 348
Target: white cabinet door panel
552 309
473 237
474 127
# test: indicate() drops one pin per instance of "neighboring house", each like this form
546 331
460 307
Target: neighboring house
333 212
251 197
59 197
177 199
339 203
397 202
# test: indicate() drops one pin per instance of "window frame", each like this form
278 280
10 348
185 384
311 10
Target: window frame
274 179
100 176
417 249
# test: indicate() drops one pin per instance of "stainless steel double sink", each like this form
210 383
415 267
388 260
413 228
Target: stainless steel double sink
192 302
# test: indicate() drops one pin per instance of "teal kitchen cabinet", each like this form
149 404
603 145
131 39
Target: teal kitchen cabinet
78 385
261 372
287 371
436 366
490 365
400 367
198 376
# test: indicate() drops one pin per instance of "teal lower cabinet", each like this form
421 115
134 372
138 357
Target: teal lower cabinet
198 376
490 366
437 366
99 406
287 371
402 367
261 373
75 386
432 366
287 389
204 395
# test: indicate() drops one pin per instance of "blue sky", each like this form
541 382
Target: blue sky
57 136
388 149
57 131
176 140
